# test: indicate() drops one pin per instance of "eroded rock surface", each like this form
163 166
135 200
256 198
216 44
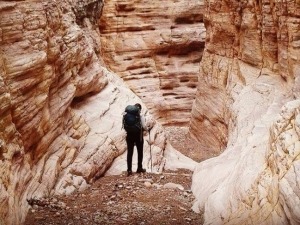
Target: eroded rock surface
61 109
246 101
159 44
60 113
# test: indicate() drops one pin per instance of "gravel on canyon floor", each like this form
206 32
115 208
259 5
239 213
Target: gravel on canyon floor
141 199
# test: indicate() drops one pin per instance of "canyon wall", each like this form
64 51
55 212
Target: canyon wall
247 104
61 109
160 44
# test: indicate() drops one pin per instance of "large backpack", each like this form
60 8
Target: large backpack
132 119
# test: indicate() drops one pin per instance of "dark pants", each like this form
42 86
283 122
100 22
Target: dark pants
131 140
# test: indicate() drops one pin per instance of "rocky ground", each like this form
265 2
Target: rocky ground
181 140
139 199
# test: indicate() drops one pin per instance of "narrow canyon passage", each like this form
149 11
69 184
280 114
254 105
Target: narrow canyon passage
228 72
149 198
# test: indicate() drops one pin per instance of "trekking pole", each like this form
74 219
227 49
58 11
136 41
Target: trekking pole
150 150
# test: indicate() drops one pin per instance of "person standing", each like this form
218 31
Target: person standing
134 124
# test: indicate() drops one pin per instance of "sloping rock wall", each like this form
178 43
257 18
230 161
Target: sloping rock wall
248 104
160 44
61 110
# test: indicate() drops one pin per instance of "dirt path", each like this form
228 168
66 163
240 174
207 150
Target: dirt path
181 140
142 199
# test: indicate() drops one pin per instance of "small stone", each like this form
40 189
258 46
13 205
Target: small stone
113 197
185 194
174 186
146 180
158 186
63 205
110 202
182 208
147 184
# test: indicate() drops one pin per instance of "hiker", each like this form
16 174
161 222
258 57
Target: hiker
135 125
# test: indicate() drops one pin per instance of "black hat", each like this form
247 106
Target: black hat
138 105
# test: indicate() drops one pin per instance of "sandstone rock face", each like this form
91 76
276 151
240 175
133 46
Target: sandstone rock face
160 44
61 110
45 64
249 80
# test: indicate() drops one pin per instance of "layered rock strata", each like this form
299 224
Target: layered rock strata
156 48
61 110
248 101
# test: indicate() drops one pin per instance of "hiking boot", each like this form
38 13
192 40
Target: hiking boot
141 170
129 173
